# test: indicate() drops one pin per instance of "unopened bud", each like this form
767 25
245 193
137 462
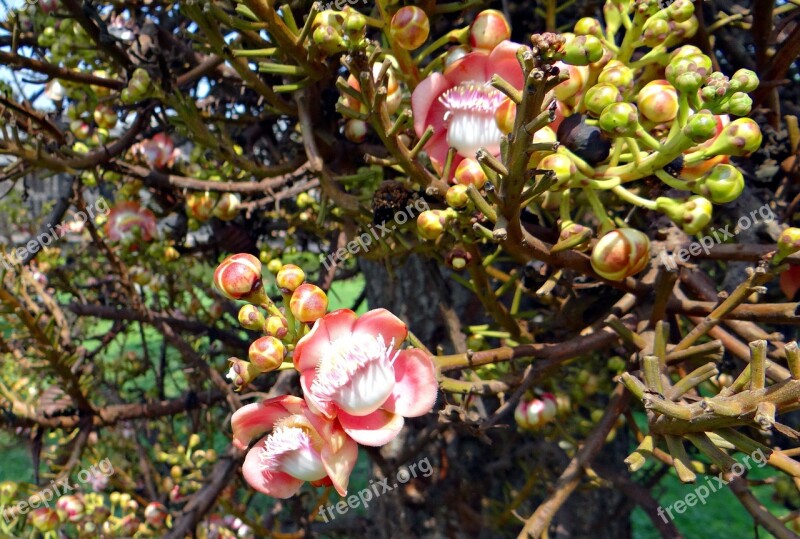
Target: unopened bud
267 353
289 278
410 27
489 28
250 317
621 253
309 303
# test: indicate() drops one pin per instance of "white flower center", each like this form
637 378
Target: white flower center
290 450
470 120
357 375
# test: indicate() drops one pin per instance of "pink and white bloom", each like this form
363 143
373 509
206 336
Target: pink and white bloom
301 446
159 152
127 220
352 369
461 104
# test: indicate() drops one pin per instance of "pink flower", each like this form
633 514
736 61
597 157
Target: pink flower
461 104
302 446
353 369
126 218
159 151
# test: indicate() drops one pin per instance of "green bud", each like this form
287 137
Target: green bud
588 26
612 16
680 10
744 80
687 73
8 489
601 95
723 184
619 75
655 31
583 50
741 137
701 126
619 119
788 243
740 104
691 215
457 197
250 317
328 39
560 164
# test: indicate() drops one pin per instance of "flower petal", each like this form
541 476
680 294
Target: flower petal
311 348
415 389
503 61
469 68
253 420
424 96
381 322
376 429
437 148
790 281
275 484
316 405
339 465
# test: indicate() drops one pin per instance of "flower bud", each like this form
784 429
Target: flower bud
356 130
239 277
44 519
276 326
409 27
535 413
328 39
680 10
70 508
563 167
8 489
140 84
741 137
588 26
430 224
578 77
621 253
355 25
619 75
583 50
470 172
619 119
329 17
701 126
744 80
200 205
457 197
572 236
505 115
545 134
458 259
489 28
739 104
722 185
241 373
250 317
601 95
655 31
788 244
308 303
274 266
266 353
289 278
681 31
155 514
687 73
691 215
228 207
105 117
658 101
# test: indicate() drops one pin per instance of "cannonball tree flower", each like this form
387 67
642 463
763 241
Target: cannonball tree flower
460 104
127 221
158 152
301 446
352 369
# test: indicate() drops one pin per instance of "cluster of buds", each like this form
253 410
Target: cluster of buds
140 86
239 277
337 31
202 206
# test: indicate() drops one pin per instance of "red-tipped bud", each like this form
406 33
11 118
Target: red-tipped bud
505 115
241 372
239 277
457 197
489 28
250 317
155 514
534 414
267 353
228 207
289 278
470 172
430 224
658 101
276 326
409 27
621 253
308 303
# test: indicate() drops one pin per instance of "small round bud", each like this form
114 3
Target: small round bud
701 126
619 75
658 101
105 117
740 104
356 130
8 489
470 172
276 326
240 374
328 39
505 115
329 17
692 215
687 73
578 77
430 224
250 317
266 353
457 197
228 207
621 253
563 167
201 205
308 303
680 10
458 259
619 119
588 26
788 243
601 95
489 28
410 27
239 276
741 137
583 50
274 265
289 278
70 508
744 80
722 185
535 413
655 31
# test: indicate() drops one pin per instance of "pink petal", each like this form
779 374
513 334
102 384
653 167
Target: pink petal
437 148
424 96
503 61
416 388
376 429
275 484
253 420
339 465
469 68
316 405
311 348
382 322
339 323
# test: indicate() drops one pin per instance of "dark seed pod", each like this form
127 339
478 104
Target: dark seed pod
674 167
586 141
